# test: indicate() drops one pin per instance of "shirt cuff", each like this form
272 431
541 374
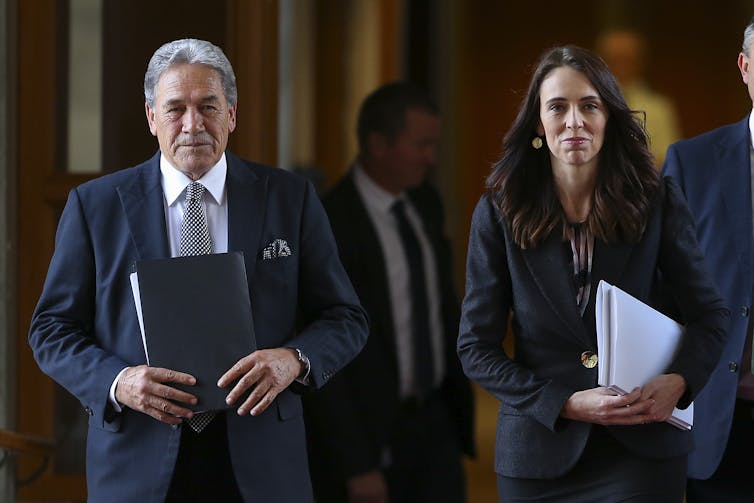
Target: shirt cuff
116 406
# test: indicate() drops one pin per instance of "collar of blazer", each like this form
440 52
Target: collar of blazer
548 267
142 199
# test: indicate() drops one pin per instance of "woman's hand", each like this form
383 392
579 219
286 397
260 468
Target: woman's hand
665 391
603 406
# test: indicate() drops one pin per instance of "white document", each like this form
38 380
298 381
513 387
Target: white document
635 343
137 303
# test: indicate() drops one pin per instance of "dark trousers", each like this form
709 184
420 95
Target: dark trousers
425 462
203 471
607 472
733 481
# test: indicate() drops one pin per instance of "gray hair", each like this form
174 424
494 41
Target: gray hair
748 38
190 51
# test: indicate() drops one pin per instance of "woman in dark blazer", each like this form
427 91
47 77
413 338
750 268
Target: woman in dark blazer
576 199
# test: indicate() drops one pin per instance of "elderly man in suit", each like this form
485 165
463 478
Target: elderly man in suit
393 426
715 172
85 333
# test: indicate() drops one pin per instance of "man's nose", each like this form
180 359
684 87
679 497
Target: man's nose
192 121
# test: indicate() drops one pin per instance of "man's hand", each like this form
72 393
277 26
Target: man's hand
142 388
602 406
269 371
369 487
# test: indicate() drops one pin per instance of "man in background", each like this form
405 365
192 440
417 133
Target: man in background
191 198
396 423
625 52
715 172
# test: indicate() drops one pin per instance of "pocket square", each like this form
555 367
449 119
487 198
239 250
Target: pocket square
277 248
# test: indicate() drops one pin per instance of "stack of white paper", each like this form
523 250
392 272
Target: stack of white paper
635 343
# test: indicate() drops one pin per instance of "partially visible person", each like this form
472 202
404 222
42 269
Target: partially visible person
625 53
714 170
396 422
194 197
575 199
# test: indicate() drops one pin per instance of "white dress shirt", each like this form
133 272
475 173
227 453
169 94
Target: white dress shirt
378 203
174 185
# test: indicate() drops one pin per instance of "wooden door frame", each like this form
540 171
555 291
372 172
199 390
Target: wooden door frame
42 192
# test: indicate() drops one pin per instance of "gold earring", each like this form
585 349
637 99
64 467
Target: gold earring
537 142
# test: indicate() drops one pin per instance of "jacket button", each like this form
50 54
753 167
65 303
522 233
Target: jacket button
588 359
745 311
89 411
733 367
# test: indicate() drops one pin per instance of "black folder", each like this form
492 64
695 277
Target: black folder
197 319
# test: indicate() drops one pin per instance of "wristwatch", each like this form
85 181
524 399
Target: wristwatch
304 363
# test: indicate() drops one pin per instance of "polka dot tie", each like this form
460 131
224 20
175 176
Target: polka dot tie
195 240
200 421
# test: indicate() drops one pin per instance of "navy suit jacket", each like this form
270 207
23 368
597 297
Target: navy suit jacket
353 418
536 287
85 329
713 170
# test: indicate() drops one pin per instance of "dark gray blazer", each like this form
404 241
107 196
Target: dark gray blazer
536 288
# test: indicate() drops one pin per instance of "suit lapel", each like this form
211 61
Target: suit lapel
373 268
733 157
247 205
142 202
609 262
549 268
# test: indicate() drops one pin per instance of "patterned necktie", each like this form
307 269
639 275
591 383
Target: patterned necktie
420 336
195 240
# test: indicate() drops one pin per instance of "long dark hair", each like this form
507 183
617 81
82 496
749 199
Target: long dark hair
521 184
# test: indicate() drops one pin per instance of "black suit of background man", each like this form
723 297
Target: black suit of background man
371 436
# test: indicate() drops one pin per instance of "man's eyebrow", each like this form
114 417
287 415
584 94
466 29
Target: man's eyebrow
211 97
173 102
178 101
